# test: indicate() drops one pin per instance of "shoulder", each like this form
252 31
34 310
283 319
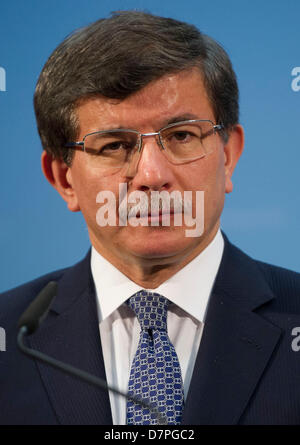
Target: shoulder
279 275
253 278
284 283
15 300
278 278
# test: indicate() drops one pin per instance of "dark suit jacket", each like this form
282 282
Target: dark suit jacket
246 371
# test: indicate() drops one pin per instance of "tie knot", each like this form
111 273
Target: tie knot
150 309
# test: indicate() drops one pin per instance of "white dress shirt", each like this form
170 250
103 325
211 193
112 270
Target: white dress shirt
189 289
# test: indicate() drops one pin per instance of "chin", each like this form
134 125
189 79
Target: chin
159 243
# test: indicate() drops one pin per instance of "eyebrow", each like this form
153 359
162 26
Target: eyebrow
172 120
181 117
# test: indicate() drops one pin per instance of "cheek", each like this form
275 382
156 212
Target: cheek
87 184
207 174
216 190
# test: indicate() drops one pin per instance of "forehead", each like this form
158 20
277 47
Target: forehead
150 108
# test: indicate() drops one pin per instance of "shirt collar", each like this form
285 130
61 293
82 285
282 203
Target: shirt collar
189 288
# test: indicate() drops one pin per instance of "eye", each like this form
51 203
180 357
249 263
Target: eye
116 146
182 136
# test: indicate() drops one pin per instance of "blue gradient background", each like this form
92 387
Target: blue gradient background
38 233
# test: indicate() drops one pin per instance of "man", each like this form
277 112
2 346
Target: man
191 324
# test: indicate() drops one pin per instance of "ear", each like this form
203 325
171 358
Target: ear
232 151
59 175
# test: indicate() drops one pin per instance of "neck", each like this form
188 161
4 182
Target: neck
150 273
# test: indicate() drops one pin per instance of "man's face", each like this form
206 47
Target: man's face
179 95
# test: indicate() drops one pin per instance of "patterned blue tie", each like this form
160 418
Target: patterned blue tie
155 373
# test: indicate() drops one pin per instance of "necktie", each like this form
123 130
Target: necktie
155 373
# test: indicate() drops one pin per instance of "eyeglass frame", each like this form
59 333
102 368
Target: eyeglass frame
215 129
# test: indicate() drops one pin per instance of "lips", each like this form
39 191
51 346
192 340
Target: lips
151 214
160 213
155 207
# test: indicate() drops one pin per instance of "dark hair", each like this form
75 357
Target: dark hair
118 56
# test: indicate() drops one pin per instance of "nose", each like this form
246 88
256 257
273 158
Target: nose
149 169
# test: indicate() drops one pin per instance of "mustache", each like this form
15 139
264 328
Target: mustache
154 204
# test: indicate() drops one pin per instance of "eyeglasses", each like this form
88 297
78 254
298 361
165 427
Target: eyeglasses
180 142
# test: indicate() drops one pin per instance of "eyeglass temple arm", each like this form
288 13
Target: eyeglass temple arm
218 127
74 144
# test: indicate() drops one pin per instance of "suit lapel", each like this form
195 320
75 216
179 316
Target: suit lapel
236 344
71 334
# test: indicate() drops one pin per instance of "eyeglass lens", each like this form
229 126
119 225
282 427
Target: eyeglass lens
180 143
